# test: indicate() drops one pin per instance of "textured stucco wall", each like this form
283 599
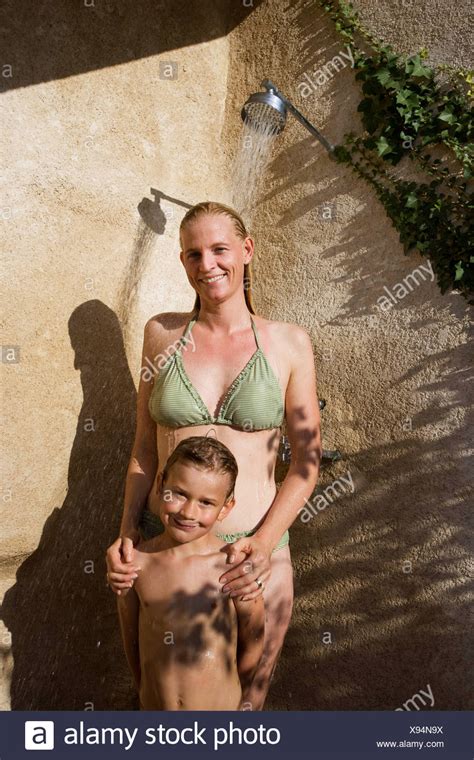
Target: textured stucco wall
84 153
86 143
381 575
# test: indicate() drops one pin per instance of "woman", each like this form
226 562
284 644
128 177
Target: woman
227 372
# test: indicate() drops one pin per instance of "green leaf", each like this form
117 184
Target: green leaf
459 271
415 67
383 146
407 97
385 78
447 116
422 71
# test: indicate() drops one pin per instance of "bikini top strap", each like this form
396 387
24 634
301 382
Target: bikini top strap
189 327
254 328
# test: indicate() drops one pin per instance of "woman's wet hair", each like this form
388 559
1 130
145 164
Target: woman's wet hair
212 208
206 453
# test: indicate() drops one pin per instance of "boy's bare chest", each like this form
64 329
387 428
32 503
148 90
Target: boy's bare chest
174 589
185 614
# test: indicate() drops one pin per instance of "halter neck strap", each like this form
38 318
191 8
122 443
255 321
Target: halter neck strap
193 321
254 328
188 329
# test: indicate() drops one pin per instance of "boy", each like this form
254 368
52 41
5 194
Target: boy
188 645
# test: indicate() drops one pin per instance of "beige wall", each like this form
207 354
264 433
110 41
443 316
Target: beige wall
395 385
86 147
86 150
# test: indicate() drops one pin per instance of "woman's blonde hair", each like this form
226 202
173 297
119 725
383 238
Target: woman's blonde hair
212 207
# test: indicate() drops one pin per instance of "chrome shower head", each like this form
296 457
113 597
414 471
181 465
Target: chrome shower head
265 111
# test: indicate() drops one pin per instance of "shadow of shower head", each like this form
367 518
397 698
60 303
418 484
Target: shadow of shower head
266 112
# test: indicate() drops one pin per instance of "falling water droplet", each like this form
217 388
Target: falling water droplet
251 161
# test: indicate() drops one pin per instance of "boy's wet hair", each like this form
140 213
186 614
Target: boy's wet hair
206 453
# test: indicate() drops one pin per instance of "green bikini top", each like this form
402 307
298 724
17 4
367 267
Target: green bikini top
253 401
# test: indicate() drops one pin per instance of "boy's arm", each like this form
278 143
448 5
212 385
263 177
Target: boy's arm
251 630
128 607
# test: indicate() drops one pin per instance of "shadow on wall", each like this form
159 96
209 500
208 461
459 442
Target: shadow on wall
61 615
42 43
369 262
359 247
153 216
152 222
367 258
386 572
393 627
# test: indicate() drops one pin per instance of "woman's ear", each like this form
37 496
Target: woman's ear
248 249
228 507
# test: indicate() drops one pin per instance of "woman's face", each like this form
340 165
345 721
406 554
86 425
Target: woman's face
214 256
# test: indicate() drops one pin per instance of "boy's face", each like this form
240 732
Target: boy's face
192 500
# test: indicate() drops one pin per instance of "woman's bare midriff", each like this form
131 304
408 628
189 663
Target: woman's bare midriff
255 453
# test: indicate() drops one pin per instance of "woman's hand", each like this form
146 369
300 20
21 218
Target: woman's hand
247 579
120 571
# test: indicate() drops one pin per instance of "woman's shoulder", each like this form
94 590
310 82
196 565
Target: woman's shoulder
163 331
166 326
287 333
168 321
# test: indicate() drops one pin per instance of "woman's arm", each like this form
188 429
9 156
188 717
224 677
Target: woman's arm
128 610
251 634
140 475
304 435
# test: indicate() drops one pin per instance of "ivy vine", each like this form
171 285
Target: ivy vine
409 109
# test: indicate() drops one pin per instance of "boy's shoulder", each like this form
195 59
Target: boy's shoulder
209 565
214 559
151 549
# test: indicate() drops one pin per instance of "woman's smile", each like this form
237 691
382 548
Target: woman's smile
213 278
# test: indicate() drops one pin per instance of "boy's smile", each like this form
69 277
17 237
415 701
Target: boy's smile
175 520
192 500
